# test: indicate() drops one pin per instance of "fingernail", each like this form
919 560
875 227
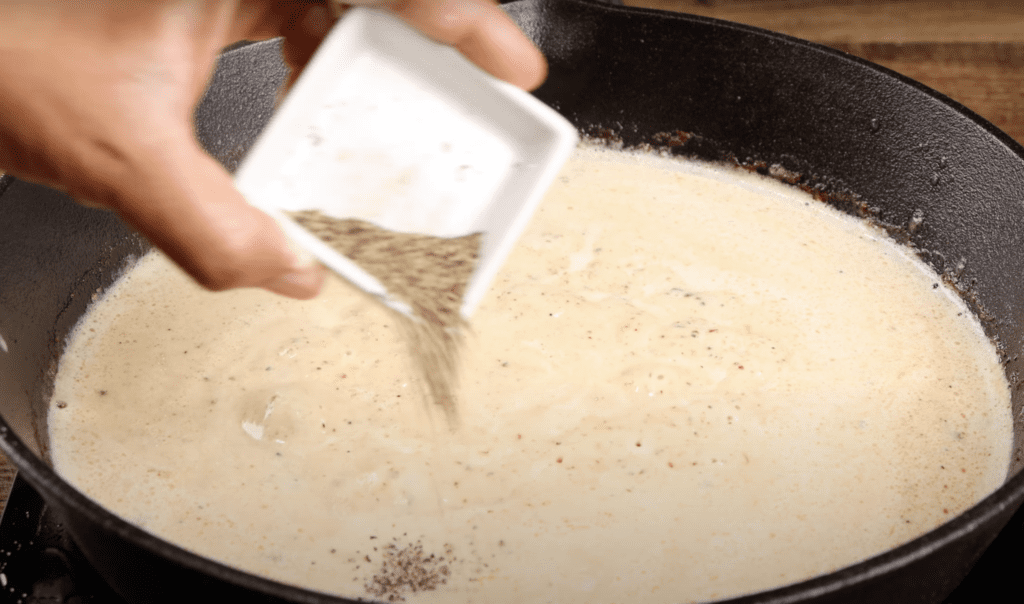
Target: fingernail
90 204
301 284
302 258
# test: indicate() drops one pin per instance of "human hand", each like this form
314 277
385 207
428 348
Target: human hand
96 99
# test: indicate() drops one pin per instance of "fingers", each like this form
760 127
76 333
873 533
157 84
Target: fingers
302 23
303 32
479 29
187 205
482 32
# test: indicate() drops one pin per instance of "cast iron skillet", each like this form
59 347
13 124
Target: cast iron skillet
862 138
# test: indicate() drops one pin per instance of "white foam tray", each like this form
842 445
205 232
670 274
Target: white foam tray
390 127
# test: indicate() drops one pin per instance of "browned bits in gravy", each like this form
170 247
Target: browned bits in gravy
427 273
409 570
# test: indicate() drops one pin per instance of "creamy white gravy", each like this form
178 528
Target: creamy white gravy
686 384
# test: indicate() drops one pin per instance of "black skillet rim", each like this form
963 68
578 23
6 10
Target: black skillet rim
45 479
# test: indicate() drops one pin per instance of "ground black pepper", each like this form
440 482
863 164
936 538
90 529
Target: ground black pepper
427 273
409 570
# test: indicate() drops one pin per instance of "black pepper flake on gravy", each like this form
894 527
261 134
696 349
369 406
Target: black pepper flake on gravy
427 273
409 570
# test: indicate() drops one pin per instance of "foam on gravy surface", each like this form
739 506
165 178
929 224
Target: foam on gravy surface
686 384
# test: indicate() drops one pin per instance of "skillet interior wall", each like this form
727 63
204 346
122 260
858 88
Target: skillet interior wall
64 253
905 157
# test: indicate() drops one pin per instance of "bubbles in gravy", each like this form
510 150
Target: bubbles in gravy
686 384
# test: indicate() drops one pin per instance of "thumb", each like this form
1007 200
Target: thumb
186 204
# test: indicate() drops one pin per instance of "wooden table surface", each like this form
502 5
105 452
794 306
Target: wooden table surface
971 51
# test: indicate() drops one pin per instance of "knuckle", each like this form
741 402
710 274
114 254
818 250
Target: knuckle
239 258
223 268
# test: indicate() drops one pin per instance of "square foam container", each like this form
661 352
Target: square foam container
390 127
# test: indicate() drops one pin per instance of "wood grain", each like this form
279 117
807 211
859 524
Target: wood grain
850 21
7 474
973 52
986 78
